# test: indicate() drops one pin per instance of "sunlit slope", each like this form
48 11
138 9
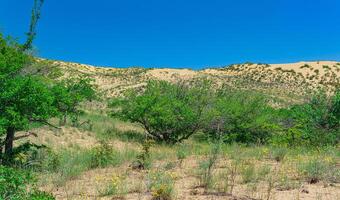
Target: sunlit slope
287 82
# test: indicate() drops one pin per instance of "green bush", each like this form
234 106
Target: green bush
240 116
104 155
314 170
168 112
315 123
161 185
19 185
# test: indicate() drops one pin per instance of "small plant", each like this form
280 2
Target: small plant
161 185
305 66
270 187
181 154
71 165
314 170
103 156
229 178
263 172
278 154
284 183
115 187
170 165
144 158
206 167
248 173
326 67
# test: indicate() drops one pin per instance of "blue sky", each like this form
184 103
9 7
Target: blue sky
180 33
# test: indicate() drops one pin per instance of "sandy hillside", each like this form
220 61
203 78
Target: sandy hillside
284 81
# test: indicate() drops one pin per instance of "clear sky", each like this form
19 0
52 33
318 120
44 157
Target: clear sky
179 33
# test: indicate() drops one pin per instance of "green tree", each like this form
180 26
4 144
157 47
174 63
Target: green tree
314 123
69 94
168 112
23 98
240 116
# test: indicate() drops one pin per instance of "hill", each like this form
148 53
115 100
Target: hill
286 82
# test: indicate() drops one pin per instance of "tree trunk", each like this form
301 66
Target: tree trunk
9 141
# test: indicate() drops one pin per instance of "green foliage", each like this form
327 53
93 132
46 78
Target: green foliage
69 94
23 98
19 185
161 185
40 195
27 98
315 123
168 112
116 187
314 170
12 60
103 156
143 160
33 157
240 116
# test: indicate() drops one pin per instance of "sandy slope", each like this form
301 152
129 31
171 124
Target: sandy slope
286 81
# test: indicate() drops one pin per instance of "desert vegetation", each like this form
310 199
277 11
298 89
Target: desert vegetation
226 133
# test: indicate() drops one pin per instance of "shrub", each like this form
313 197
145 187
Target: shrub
315 123
40 195
103 156
143 160
240 116
115 187
314 170
19 185
206 167
161 185
248 173
168 112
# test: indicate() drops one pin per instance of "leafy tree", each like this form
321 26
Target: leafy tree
69 94
168 112
314 123
27 98
240 116
23 100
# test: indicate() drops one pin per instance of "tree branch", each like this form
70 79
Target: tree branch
25 135
19 137
46 123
